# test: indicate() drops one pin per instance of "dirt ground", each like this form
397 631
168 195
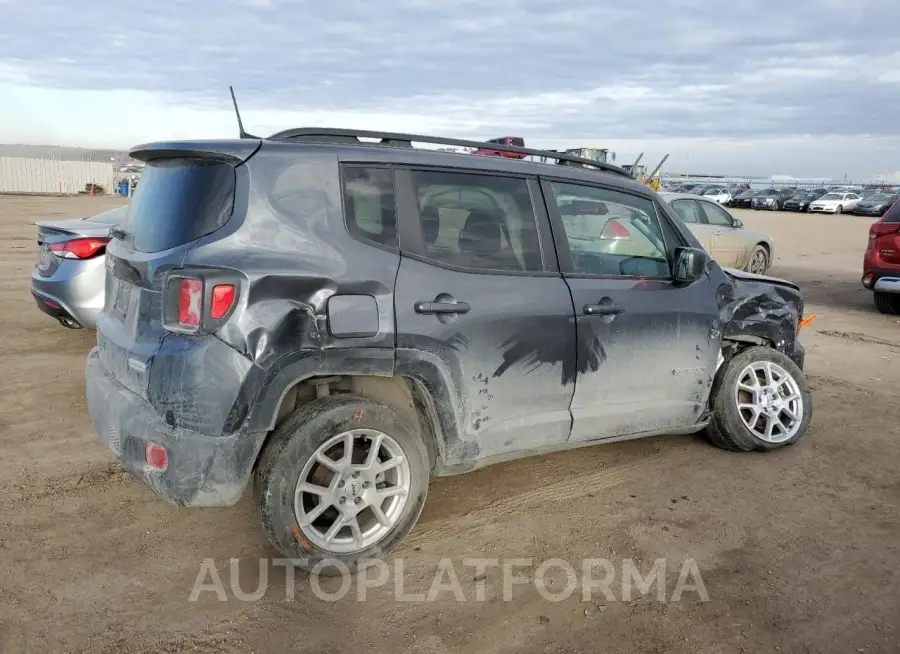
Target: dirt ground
798 550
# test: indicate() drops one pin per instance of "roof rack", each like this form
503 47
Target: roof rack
392 139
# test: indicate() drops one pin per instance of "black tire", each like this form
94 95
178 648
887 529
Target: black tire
296 440
760 248
726 428
839 209
887 303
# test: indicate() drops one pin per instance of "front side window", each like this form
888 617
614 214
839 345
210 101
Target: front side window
369 204
716 215
611 232
478 222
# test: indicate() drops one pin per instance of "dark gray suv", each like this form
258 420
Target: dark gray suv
338 320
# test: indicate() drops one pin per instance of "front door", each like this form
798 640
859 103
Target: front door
478 294
690 213
648 346
728 241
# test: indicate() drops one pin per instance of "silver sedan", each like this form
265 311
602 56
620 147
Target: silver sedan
722 234
69 279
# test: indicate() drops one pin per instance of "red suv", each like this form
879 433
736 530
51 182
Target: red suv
517 141
881 265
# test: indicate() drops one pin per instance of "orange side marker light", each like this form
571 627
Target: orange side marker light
803 323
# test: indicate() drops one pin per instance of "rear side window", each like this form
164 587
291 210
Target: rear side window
479 222
687 210
178 201
369 204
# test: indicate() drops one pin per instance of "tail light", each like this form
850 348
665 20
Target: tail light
222 299
198 303
156 457
190 302
614 229
80 248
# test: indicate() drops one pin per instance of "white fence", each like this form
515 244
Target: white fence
51 176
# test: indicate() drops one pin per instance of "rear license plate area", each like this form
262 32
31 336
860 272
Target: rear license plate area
121 299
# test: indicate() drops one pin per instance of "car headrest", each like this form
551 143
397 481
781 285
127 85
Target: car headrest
431 224
481 235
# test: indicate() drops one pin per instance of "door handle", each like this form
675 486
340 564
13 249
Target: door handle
441 308
602 309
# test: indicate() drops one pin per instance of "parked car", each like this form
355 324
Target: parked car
876 204
743 200
67 282
772 199
718 194
722 234
503 140
881 262
801 200
837 202
288 341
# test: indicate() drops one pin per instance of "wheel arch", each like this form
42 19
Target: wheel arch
416 385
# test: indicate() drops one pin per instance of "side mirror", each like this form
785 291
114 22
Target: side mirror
690 264
737 224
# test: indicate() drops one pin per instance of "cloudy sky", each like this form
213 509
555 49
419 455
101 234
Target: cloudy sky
743 87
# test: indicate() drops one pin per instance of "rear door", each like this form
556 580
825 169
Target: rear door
479 295
647 345
179 200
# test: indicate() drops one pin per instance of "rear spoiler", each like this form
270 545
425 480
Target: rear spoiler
235 151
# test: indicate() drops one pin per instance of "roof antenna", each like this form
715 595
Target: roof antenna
241 132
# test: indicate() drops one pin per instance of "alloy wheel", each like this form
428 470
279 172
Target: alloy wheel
769 402
352 491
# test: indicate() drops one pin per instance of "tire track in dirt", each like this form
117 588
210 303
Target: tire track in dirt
571 488
101 476
857 337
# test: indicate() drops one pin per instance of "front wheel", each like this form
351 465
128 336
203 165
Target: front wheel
887 303
760 401
342 481
839 209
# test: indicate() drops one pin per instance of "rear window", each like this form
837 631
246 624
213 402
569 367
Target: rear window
179 200
893 214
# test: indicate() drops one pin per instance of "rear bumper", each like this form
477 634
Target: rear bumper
887 284
203 470
53 306
883 281
76 287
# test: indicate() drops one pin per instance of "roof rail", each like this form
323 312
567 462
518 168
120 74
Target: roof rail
393 139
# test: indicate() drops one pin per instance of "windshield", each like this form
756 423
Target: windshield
831 196
799 196
879 197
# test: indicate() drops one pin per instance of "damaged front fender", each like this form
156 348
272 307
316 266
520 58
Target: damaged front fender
760 309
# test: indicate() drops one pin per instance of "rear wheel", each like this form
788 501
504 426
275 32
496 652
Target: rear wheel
342 481
760 401
887 303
